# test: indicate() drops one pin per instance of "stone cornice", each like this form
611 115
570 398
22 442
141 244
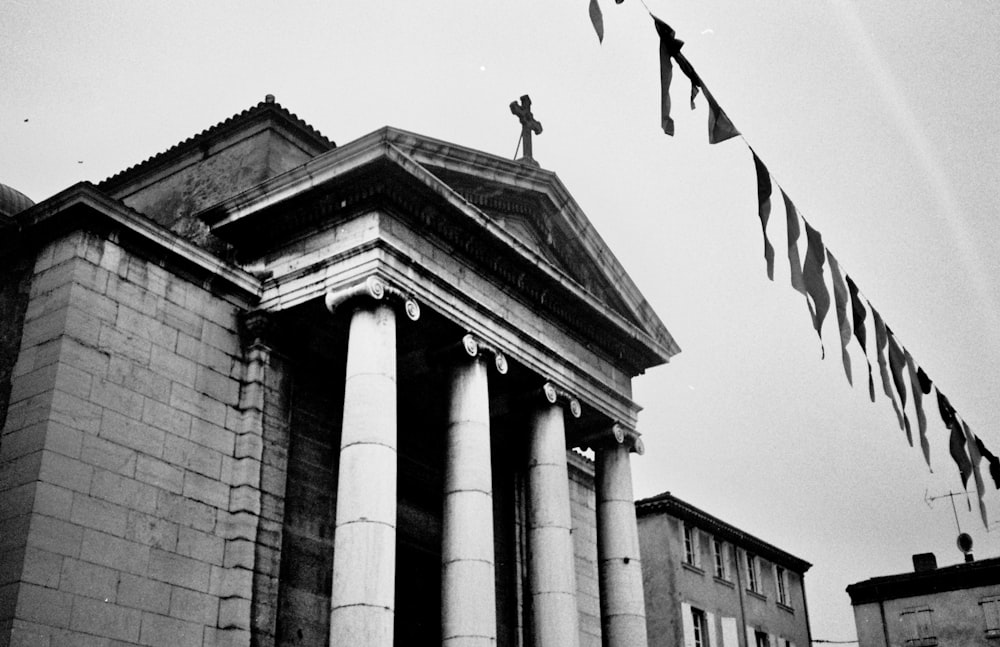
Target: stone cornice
62 212
380 260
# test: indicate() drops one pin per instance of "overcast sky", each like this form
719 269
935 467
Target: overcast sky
878 120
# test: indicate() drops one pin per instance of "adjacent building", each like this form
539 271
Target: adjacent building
951 606
710 584
260 389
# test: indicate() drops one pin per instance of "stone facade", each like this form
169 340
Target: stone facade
695 571
261 390
952 605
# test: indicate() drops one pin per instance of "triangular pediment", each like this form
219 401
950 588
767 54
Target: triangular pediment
518 212
529 216
533 206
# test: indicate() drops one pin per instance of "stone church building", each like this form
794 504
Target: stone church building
260 389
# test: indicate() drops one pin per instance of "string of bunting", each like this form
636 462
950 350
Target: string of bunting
901 377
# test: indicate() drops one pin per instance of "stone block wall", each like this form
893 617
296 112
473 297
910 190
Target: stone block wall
583 502
129 466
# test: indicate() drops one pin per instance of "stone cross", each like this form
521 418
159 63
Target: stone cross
528 125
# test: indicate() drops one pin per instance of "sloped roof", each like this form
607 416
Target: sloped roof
266 108
666 503
967 575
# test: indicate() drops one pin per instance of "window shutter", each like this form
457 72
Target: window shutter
696 544
751 637
710 621
730 637
688 624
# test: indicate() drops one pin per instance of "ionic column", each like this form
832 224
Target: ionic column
551 560
364 558
468 584
623 611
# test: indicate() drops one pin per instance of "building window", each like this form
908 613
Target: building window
918 628
698 622
721 563
760 638
991 614
780 585
752 580
690 545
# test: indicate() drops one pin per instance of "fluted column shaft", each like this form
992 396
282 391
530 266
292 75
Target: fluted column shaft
468 585
551 560
364 559
623 612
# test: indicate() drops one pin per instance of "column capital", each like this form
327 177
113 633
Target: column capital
615 434
257 329
555 394
373 287
475 347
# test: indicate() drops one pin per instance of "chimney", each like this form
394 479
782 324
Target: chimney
924 562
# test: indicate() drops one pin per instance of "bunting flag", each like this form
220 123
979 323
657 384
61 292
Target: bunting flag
792 225
916 386
597 19
881 341
896 363
720 127
669 46
925 382
956 442
812 274
974 459
763 208
992 460
840 301
859 312
966 449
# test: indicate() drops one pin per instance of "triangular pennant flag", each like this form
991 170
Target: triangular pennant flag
918 405
925 382
840 301
764 209
992 460
720 128
858 309
597 19
812 275
956 443
792 226
975 458
669 46
896 363
881 341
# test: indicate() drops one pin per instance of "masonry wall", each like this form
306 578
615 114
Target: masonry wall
671 586
956 618
129 469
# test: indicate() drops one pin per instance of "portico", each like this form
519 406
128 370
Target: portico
475 331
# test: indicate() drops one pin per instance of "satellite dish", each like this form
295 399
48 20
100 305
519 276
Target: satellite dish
965 543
